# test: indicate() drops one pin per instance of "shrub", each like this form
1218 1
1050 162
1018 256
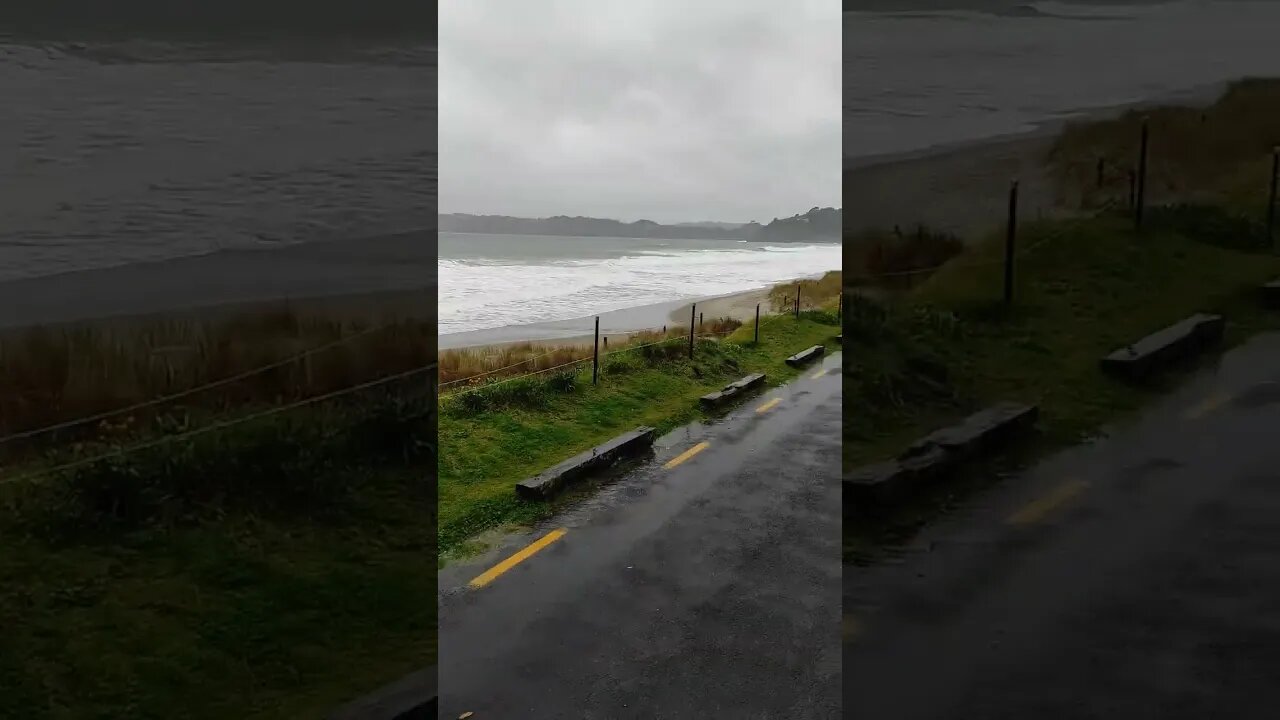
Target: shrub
864 318
885 254
520 392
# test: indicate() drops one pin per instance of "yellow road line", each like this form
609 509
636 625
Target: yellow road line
492 573
686 455
769 405
818 374
1211 403
1036 510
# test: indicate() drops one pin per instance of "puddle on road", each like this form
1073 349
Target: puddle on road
598 498
892 537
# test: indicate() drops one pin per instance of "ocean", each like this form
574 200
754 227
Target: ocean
492 281
925 73
131 149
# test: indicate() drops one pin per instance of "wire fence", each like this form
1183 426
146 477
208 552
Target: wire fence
1134 203
214 427
189 392
597 351
131 409
1099 196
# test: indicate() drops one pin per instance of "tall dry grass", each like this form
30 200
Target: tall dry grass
57 374
469 367
814 293
1220 153
896 258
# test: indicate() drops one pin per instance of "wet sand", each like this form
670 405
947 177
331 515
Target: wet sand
964 187
963 190
359 279
613 324
739 306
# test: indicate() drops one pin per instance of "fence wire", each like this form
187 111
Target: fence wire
950 264
222 425
163 399
298 357
580 361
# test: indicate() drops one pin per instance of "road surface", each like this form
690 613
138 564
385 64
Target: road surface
1136 577
705 583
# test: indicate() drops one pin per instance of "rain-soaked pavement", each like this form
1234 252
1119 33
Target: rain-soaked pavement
709 589
1135 577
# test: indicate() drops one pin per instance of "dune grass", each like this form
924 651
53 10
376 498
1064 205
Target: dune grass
467 367
492 437
61 373
897 259
815 293
1220 154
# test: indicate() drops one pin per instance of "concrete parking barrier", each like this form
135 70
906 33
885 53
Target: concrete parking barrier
886 483
806 356
931 457
732 391
548 483
1162 349
988 428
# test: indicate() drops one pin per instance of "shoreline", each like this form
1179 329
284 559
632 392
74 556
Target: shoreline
377 274
960 187
622 323
1196 96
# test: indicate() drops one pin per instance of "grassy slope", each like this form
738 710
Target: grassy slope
231 619
1220 153
483 455
1092 287
256 572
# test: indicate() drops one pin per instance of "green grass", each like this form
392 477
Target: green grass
239 618
949 346
486 447
276 569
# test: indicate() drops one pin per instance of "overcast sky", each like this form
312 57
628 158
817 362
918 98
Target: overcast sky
660 109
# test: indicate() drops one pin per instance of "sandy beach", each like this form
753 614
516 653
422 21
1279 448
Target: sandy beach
964 187
614 324
368 278
961 188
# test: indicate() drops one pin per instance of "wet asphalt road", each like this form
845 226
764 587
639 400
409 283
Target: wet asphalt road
1136 577
707 590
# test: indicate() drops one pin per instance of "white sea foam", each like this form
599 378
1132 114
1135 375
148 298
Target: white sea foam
541 281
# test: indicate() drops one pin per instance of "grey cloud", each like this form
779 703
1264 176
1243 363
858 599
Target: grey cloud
671 111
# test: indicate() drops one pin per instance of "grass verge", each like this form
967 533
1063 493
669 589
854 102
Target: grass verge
949 346
275 569
494 437
1219 154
